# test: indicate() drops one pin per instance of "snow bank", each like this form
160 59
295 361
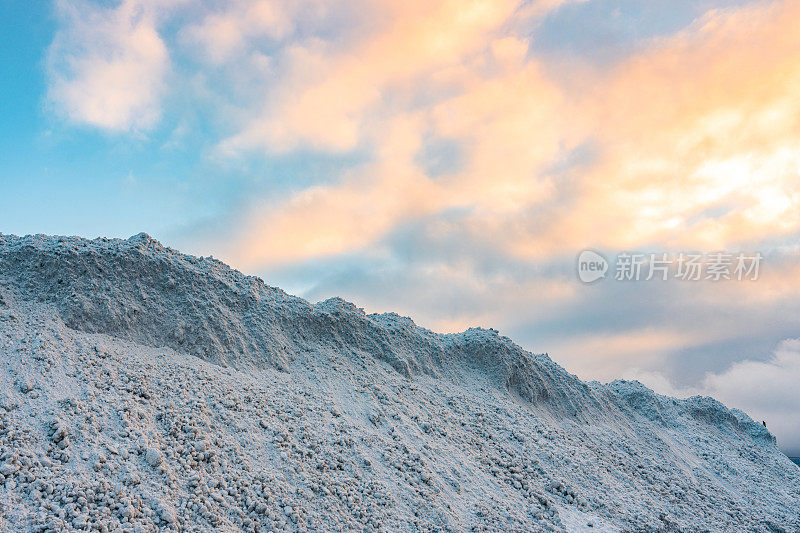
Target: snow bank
144 388
139 290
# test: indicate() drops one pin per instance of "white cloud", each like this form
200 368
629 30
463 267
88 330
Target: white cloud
222 35
107 66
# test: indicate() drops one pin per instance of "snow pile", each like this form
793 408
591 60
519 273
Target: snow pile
144 388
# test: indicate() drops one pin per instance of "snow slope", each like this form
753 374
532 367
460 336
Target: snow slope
143 388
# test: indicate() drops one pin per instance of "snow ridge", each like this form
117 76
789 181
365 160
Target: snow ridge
141 388
139 290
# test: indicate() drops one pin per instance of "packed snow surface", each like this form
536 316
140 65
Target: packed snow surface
144 390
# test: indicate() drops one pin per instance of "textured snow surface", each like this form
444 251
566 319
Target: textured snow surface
144 389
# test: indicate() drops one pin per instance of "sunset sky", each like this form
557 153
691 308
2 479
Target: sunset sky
447 160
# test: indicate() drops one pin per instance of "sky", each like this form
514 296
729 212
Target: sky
447 160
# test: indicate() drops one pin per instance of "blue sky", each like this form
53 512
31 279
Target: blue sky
446 160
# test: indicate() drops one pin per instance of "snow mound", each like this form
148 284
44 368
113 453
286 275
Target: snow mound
138 290
144 389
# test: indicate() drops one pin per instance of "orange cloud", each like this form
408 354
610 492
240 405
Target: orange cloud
327 93
324 221
696 137
707 119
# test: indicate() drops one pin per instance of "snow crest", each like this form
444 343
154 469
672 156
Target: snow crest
144 389
139 290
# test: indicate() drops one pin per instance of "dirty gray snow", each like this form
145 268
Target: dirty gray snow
145 390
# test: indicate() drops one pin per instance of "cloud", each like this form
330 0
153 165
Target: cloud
394 189
701 120
606 356
328 220
694 138
328 92
222 35
509 142
107 65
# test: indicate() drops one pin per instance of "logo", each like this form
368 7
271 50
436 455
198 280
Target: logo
687 266
591 266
